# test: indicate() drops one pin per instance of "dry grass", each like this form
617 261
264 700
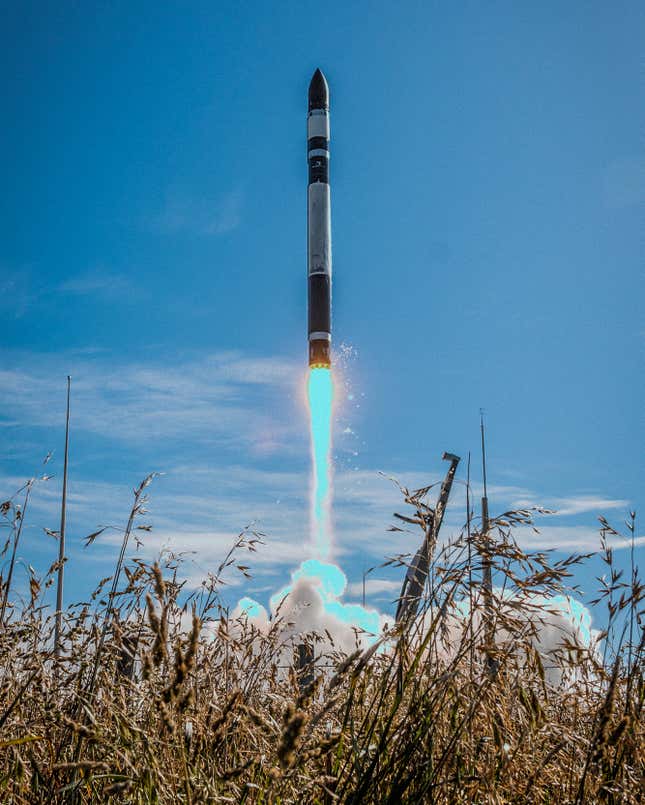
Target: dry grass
160 698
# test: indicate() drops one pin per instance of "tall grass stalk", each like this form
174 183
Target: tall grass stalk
61 537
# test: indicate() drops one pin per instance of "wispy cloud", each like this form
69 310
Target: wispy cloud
375 588
210 217
580 504
200 508
97 282
223 398
21 291
198 511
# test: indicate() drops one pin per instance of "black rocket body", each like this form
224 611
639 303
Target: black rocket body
318 224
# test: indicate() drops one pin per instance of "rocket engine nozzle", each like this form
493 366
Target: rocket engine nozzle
319 354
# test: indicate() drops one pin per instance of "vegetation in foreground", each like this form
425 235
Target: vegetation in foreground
159 697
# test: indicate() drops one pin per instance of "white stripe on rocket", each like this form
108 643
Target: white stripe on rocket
318 124
319 225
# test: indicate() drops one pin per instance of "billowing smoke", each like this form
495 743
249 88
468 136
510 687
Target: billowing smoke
310 608
311 603
557 627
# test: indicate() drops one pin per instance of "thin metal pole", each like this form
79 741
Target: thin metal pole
481 426
61 541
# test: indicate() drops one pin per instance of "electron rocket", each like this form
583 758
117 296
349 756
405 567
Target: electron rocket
319 224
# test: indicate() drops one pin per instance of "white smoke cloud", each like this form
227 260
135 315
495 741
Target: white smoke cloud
312 603
553 626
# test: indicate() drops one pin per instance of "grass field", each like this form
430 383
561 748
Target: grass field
159 696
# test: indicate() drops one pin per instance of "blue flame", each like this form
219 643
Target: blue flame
321 395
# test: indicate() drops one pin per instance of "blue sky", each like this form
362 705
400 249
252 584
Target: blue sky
487 185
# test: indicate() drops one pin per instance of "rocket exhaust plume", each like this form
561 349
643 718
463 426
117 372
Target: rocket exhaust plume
320 395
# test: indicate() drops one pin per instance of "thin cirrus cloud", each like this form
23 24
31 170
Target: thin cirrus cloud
198 510
97 282
21 291
375 588
221 398
565 506
208 217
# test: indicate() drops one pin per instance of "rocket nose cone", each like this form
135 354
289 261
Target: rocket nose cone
318 92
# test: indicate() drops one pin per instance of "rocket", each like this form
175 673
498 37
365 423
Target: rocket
318 224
